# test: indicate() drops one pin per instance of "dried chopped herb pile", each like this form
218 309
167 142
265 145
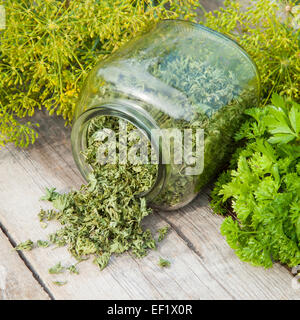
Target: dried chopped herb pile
104 216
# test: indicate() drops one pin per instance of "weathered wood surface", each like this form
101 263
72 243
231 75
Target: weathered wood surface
198 225
16 280
203 266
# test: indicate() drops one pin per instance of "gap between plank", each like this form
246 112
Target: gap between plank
27 263
181 235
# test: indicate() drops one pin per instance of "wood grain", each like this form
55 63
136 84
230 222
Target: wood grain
203 266
16 280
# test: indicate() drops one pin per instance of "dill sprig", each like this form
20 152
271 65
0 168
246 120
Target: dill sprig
269 31
48 48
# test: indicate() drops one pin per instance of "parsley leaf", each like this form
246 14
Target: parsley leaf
263 188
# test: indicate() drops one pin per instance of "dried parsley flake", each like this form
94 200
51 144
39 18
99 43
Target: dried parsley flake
73 269
162 233
43 244
163 263
104 216
60 283
58 268
25 246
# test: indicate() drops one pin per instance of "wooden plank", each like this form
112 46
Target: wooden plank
16 280
201 229
23 176
203 266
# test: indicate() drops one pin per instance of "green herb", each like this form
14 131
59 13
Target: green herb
283 122
213 99
102 261
73 269
48 48
104 217
58 268
44 225
269 31
217 102
260 187
264 187
162 233
46 215
60 283
25 246
50 195
164 263
43 244
217 203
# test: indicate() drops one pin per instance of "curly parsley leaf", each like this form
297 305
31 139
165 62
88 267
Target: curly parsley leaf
264 188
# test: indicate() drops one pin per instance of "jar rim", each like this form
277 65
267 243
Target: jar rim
130 112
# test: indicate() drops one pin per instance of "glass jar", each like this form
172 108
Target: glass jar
176 75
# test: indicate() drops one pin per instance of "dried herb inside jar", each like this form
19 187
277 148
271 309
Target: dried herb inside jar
183 87
215 100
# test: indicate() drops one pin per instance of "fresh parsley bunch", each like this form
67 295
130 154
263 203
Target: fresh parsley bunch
264 187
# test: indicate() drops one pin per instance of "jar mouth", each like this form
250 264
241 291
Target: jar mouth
130 112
